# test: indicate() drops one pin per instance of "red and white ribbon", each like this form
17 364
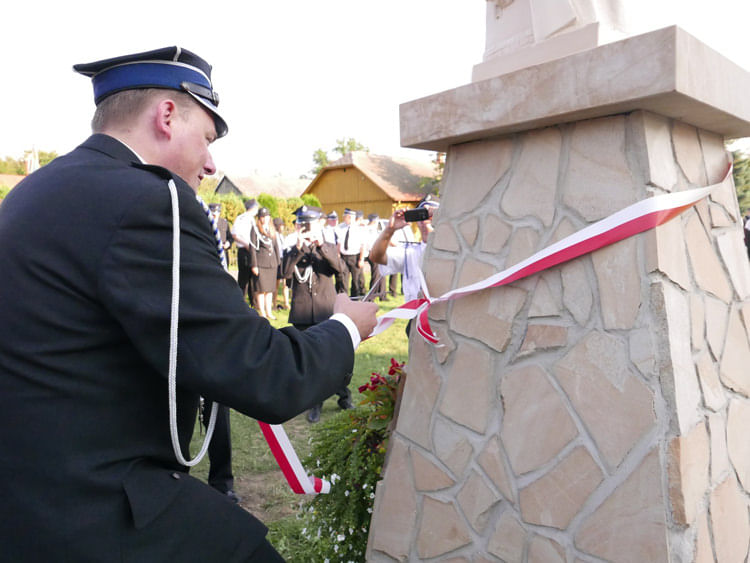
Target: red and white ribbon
281 448
632 220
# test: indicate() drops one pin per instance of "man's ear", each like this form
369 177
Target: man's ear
164 118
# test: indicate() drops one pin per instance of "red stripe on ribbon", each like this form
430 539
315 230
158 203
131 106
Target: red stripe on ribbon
281 458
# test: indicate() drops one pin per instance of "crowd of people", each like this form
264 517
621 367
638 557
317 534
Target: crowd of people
264 244
307 266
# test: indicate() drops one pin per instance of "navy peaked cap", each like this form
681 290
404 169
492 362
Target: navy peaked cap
348 211
307 213
173 68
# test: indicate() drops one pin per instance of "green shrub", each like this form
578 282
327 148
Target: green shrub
270 202
311 200
349 450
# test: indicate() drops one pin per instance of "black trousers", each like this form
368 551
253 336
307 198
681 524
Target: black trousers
351 261
243 269
376 280
220 475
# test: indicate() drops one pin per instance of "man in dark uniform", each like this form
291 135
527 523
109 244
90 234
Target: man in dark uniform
225 233
113 327
311 264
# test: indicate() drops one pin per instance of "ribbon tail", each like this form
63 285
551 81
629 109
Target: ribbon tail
281 448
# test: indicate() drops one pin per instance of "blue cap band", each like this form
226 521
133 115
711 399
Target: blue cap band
145 75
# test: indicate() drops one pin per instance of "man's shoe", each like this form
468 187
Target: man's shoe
233 496
345 403
313 415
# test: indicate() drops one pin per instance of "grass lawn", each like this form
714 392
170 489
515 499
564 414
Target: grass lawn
258 480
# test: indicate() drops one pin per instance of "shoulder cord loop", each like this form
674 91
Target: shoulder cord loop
173 325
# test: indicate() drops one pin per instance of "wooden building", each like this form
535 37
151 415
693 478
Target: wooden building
372 183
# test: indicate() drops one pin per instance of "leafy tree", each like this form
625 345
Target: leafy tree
741 174
320 158
343 146
347 145
45 157
270 202
10 165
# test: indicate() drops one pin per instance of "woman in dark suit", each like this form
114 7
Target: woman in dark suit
264 262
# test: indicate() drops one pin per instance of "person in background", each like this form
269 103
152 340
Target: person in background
311 263
264 262
331 234
405 258
352 249
241 229
377 281
121 318
223 225
283 284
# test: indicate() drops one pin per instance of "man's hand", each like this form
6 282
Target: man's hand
362 314
255 270
397 220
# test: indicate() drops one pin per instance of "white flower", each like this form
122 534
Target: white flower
354 430
351 531
364 486
369 510
336 548
372 495
340 537
346 493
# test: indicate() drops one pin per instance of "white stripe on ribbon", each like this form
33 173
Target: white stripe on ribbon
632 220
281 448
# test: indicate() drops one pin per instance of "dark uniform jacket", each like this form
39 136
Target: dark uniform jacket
87 471
312 300
262 254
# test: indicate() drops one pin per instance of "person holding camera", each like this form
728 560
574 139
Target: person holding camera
405 258
312 263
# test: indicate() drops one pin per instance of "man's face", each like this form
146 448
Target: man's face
189 156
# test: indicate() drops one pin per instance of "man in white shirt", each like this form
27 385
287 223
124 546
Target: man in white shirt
241 229
352 248
404 258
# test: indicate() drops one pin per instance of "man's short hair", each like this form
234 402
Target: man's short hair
119 108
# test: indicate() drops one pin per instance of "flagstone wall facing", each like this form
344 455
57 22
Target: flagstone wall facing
594 412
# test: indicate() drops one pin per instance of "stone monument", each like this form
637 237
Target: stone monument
596 411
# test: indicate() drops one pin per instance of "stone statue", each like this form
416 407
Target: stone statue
562 27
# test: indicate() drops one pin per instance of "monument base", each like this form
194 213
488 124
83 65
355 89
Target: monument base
595 411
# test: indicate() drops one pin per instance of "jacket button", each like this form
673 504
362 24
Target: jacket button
176 475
